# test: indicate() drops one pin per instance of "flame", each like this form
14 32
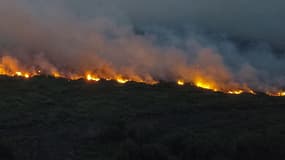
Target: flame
180 82
276 94
251 92
20 74
90 77
212 85
27 75
236 92
206 85
121 80
56 74
10 66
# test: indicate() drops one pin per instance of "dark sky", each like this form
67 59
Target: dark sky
247 19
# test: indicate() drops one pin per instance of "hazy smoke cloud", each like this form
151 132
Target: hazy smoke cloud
61 36
254 19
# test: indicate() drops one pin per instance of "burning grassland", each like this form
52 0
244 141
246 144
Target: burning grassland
105 48
11 67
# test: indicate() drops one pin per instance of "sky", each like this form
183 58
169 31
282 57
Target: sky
246 19
256 20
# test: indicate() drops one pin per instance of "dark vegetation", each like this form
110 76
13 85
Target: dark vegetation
55 119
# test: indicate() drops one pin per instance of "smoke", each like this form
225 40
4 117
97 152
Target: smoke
56 38
254 19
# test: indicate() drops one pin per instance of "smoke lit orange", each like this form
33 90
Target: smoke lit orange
10 67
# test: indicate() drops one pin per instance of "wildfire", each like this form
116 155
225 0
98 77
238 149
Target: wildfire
121 80
90 77
20 74
27 76
251 92
277 94
180 82
205 85
236 92
56 74
10 67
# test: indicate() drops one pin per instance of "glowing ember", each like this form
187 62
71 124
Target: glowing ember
19 74
251 92
10 66
236 92
89 77
204 85
56 75
180 82
27 75
277 94
121 80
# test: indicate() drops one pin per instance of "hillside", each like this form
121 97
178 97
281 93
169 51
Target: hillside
55 119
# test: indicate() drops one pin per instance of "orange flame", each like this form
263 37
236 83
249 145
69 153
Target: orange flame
276 94
121 80
9 66
180 82
90 77
236 92
206 85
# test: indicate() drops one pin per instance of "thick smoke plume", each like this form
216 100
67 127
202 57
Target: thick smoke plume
52 39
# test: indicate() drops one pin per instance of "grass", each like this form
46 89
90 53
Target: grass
55 119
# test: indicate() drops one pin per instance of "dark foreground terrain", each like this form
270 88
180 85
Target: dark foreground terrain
55 119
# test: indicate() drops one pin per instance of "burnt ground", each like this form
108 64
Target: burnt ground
55 119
